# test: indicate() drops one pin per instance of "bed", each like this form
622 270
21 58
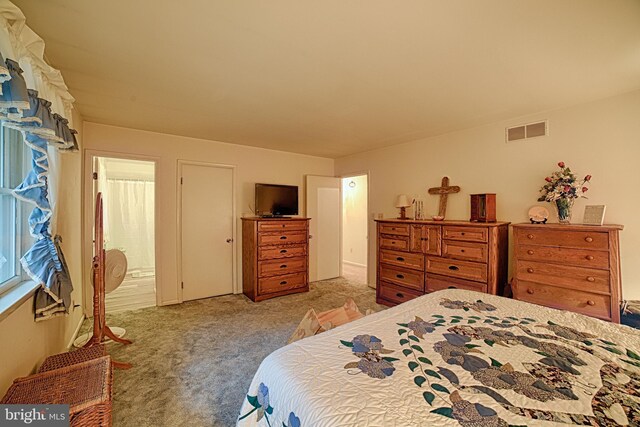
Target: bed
452 358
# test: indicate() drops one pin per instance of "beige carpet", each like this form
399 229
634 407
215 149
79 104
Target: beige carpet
193 362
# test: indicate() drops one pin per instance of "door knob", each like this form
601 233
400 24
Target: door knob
229 240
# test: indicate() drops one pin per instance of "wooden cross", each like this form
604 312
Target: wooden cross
444 190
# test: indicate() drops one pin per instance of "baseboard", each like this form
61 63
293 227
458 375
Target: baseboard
76 332
355 264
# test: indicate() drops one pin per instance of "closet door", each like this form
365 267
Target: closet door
323 207
206 216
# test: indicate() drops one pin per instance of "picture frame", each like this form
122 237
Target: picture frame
594 214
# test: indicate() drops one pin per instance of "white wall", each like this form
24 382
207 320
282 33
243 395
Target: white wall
25 343
601 138
252 165
354 220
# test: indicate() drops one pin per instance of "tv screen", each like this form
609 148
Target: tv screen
276 200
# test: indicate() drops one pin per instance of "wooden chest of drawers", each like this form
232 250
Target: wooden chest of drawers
275 257
417 257
569 267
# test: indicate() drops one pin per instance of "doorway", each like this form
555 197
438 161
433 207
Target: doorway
355 228
323 209
128 191
207 232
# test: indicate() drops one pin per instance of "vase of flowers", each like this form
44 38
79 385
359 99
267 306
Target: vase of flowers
562 188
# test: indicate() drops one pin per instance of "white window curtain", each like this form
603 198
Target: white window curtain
35 100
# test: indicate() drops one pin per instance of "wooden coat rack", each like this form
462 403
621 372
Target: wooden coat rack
100 328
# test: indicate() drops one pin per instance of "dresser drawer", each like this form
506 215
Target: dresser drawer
395 242
288 237
269 285
564 299
469 234
281 225
404 277
396 229
455 268
402 259
568 239
438 283
284 251
465 250
580 278
396 294
281 266
566 256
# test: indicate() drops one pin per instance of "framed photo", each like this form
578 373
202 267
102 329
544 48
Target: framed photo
594 214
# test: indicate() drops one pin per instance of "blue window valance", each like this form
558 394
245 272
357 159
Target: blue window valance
25 110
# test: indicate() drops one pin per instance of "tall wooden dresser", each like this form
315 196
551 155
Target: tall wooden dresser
569 267
417 257
275 256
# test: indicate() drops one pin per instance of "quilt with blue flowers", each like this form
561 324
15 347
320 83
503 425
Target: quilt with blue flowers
453 358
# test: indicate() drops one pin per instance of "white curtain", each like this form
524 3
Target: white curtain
129 221
22 44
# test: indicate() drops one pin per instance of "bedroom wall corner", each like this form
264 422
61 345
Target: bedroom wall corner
252 165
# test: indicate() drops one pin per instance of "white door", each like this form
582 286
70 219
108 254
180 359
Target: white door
323 207
207 230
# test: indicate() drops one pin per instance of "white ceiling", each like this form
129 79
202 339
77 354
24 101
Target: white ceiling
334 77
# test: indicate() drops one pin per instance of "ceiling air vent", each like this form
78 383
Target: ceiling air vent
531 130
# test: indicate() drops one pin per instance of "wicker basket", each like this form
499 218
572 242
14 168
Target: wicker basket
63 360
86 387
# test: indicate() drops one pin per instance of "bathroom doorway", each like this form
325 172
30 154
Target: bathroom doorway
355 228
128 191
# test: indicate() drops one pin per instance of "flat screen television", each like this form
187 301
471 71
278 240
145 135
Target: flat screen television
276 200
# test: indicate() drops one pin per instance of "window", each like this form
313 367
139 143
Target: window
14 214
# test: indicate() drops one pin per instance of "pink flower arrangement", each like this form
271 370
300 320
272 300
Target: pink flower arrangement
563 184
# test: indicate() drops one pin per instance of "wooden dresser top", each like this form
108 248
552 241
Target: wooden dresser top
446 222
570 227
259 218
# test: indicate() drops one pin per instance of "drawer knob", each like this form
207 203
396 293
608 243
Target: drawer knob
530 252
530 236
283 237
589 257
454 268
462 234
530 291
393 242
591 279
591 303
283 266
529 270
452 287
400 258
283 225
462 250
283 251
284 282
400 276
588 239
399 295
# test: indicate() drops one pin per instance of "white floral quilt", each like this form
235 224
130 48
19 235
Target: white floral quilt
453 358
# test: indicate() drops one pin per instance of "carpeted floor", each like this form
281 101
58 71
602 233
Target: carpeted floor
193 362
